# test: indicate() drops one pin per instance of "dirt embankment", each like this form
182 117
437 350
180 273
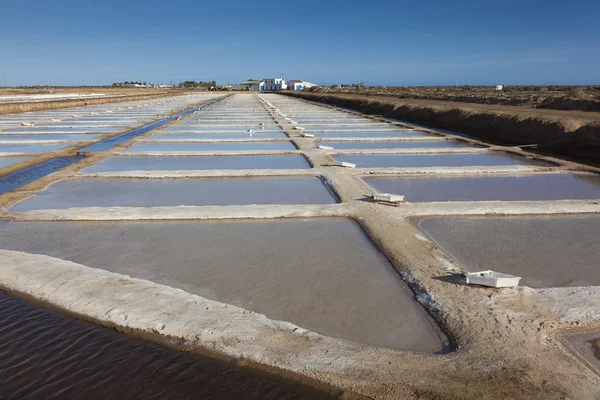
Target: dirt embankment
579 98
565 133
12 108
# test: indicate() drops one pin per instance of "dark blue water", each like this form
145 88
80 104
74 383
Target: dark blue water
30 174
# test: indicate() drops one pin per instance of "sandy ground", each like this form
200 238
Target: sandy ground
505 340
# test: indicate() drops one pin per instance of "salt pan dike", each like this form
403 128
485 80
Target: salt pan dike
48 97
291 267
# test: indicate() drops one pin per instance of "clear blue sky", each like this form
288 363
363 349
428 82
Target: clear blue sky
437 42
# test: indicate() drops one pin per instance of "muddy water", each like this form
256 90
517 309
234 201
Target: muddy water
149 147
544 250
437 160
507 188
323 275
174 192
586 344
429 144
46 355
149 163
5 161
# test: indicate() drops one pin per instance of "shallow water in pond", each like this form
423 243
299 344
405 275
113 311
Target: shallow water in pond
218 136
149 163
75 137
544 250
323 275
174 192
42 129
437 160
412 144
31 148
489 188
351 129
371 134
207 129
44 355
5 161
240 146
256 124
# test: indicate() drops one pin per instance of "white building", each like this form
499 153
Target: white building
273 84
276 84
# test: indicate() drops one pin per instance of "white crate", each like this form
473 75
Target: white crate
344 164
392 198
323 147
492 279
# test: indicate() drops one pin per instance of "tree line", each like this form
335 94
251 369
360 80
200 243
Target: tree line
191 84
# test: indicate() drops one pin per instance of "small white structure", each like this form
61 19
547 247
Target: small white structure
344 164
388 197
307 135
492 279
299 128
295 84
499 88
324 147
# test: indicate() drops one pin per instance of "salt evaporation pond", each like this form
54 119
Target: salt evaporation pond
149 163
239 146
492 188
324 275
437 160
553 250
174 192
397 144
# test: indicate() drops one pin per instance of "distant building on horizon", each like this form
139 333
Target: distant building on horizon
274 84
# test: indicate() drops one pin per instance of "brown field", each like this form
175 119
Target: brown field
581 98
